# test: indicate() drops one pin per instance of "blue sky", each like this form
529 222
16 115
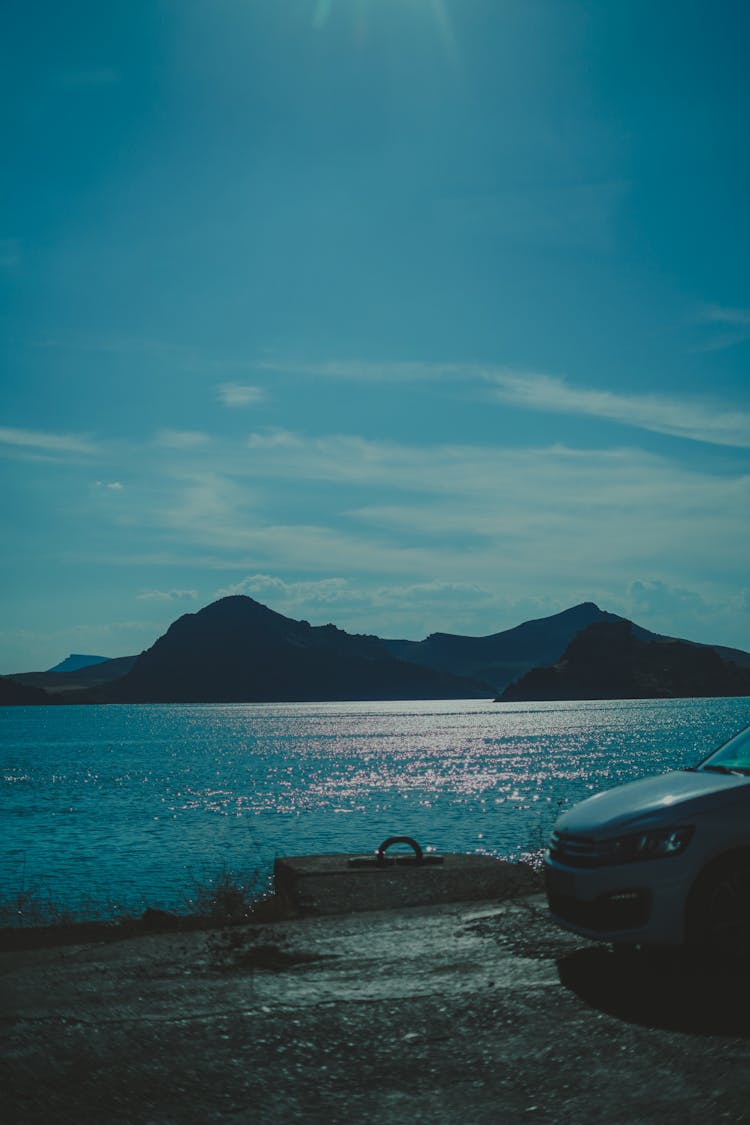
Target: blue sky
403 314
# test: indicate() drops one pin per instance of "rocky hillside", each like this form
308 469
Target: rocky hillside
499 658
237 650
609 660
13 694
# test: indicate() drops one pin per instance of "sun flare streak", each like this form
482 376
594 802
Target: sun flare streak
362 10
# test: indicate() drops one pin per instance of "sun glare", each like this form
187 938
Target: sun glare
362 12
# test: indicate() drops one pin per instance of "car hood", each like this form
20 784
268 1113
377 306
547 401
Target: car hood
653 801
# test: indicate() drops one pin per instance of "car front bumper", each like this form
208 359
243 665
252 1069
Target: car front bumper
639 903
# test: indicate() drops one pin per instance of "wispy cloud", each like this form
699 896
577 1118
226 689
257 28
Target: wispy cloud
327 591
181 439
46 442
445 470
167 595
418 608
653 597
401 538
693 419
728 326
450 512
353 460
364 371
240 394
321 598
719 314
323 590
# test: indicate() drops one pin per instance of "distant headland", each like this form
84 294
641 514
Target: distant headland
610 660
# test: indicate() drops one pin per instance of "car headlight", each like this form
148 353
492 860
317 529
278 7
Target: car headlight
658 843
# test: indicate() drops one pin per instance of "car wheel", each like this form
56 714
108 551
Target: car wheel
655 958
719 916
624 950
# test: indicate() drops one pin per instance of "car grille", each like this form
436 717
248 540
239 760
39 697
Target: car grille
576 851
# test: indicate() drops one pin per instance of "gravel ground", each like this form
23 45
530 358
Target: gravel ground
470 1013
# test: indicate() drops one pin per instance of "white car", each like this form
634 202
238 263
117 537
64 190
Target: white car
663 861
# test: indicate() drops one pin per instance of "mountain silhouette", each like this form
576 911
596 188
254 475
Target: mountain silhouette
502 657
237 650
614 660
78 660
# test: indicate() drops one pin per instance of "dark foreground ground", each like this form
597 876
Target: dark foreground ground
469 1013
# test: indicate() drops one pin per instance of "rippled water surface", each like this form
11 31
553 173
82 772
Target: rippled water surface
108 808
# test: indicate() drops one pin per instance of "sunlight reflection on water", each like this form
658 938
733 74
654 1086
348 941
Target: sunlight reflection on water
125 806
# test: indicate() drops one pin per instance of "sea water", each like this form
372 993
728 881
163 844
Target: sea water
108 809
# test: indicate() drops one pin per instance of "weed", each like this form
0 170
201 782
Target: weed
32 907
228 896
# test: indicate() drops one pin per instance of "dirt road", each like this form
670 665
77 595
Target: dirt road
468 1013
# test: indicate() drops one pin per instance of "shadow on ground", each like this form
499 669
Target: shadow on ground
668 991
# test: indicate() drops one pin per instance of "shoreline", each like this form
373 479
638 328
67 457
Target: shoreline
521 878
152 921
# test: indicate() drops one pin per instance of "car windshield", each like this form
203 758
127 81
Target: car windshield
732 757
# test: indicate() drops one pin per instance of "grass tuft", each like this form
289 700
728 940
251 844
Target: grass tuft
228 896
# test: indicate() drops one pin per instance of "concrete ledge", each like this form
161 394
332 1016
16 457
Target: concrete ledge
326 884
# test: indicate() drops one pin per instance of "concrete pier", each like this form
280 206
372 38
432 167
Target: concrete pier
339 884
